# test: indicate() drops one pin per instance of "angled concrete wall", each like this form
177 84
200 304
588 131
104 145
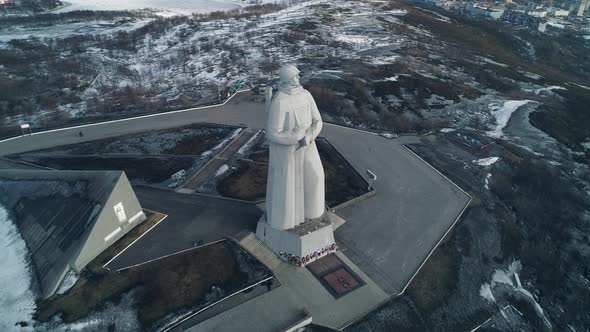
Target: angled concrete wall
121 213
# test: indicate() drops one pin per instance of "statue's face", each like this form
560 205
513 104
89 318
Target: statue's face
295 80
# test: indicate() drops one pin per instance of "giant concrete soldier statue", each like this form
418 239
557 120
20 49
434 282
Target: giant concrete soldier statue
296 225
295 189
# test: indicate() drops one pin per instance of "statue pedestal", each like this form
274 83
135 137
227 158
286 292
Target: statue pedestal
303 244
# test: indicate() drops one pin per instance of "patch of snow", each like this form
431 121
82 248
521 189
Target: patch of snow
384 60
426 74
122 314
176 7
582 86
486 161
397 12
502 276
509 277
84 326
233 135
486 292
17 299
533 76
69 29
549 89
536 305
447 130
503 114
354 39
492 62
246 147
68 282
224 168
206 153
487 181
529 149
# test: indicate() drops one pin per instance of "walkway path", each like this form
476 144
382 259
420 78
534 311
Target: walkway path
197 180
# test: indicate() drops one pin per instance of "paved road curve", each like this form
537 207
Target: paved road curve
238 110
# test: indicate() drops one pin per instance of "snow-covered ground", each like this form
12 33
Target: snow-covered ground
246 147
509 277
17 299
68 29
68 282
177 7
223 143
228 139
503 114
222 170
486 161
486 181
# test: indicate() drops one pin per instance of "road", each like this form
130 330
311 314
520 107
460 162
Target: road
238 110
389 235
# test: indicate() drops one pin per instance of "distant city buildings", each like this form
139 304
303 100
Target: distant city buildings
560 16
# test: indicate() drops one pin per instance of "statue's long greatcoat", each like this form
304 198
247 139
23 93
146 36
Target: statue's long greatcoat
295 188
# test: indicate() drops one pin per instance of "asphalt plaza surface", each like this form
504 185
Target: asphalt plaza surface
192 219
390 234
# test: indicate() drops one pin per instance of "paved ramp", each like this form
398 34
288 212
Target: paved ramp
201 177
256 248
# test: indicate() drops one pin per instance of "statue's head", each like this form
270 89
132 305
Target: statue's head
289 76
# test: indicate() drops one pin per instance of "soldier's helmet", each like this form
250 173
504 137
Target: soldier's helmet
287 73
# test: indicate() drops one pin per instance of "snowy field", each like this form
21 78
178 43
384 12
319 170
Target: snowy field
68 29
17 300
178 7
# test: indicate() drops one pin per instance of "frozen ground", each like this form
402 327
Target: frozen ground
510 279
503 114
17 299
68 282
122 315
486 161
175 63
171 7
68 29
